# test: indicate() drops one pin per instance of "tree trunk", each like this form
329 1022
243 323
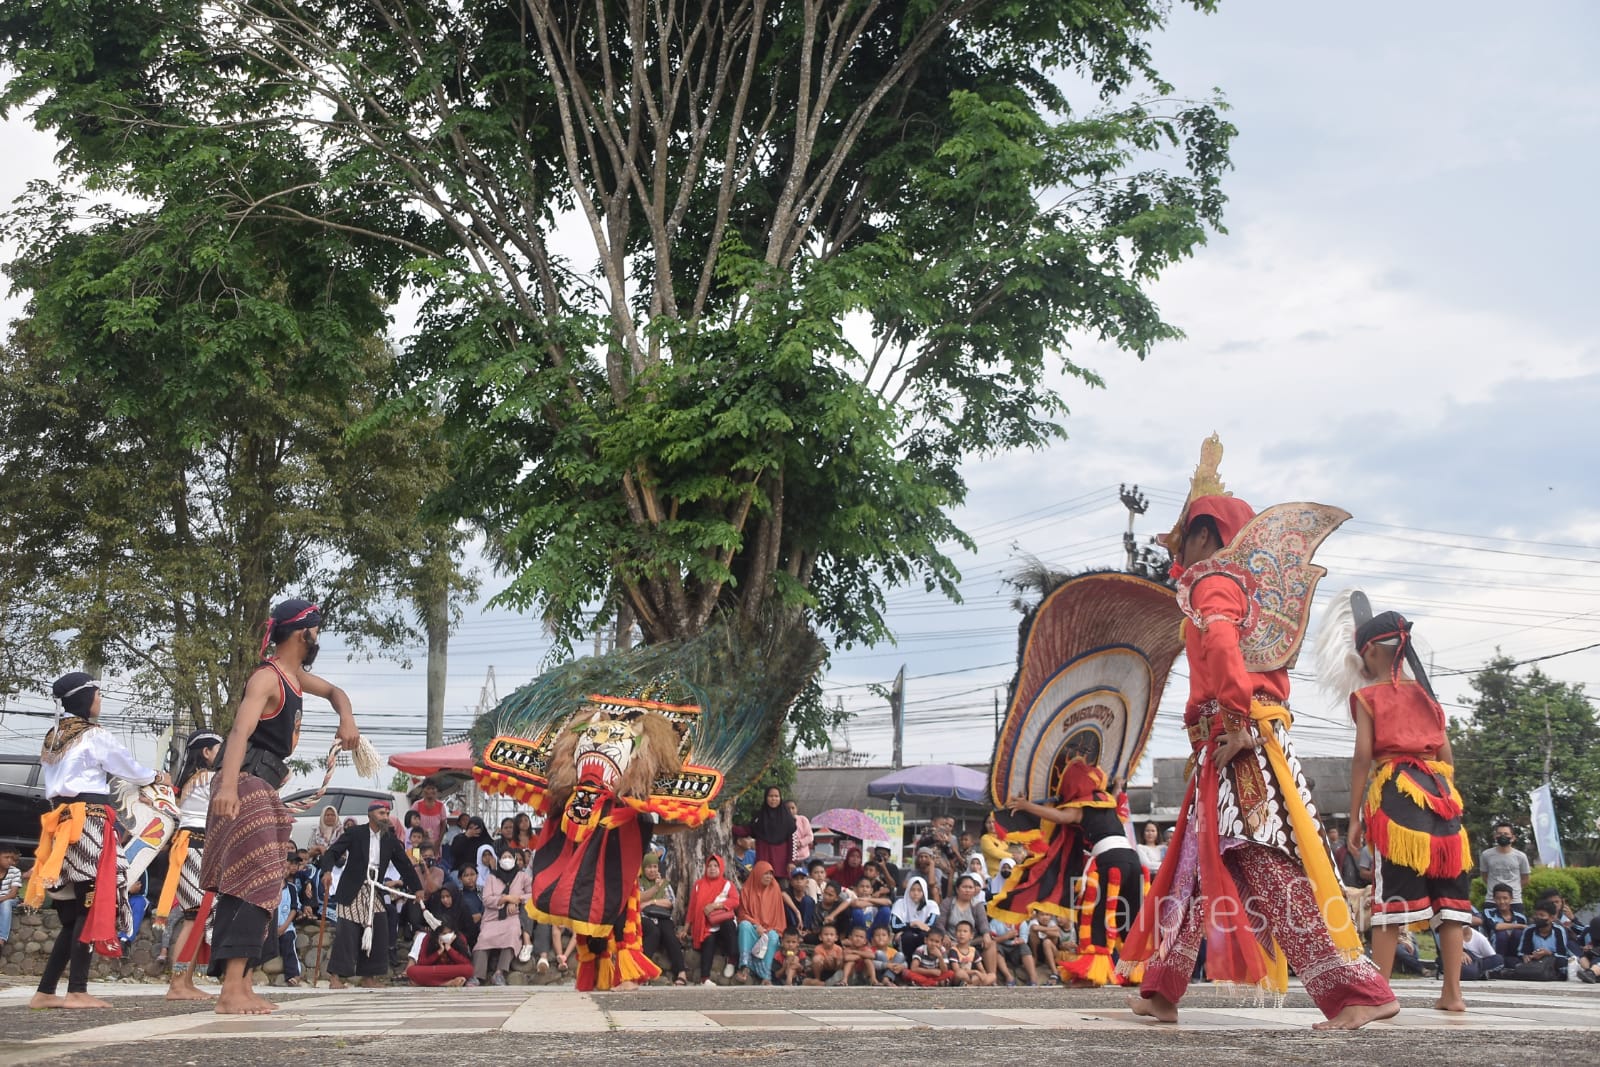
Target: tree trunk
438 622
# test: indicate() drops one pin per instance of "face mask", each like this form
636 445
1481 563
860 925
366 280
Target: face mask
445 939
508 863
1502 840
312 648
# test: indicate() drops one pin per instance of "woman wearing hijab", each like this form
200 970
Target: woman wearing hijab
656 901
713 924
504 893
761 921
445 905
851 870
443 961
773 828
328 827
913 915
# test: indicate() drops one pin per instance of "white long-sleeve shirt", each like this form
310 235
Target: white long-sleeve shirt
87 765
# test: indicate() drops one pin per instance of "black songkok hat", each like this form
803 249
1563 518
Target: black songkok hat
76 692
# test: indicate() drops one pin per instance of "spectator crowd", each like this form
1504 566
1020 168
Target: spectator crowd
773 913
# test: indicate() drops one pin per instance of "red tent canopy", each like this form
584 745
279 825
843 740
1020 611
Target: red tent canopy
456 757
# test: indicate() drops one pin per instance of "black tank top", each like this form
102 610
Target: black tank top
1101 823
277 730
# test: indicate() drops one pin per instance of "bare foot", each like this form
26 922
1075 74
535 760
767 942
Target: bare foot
83 1000
1155 1007
335 982
625 987
373 983
455 983
187 992
1358 1015
1451 1004
47 1000
236 1002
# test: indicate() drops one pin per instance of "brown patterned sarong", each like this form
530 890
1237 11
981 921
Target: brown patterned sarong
244 855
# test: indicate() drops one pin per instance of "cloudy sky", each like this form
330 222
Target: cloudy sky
1394 324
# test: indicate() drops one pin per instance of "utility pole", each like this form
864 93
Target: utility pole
1137 504
997 716
897 714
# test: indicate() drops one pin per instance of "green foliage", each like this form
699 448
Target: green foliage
690 426
1551 879
178 447
1500 751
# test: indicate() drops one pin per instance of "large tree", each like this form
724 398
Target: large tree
721 293
1521 725
187 432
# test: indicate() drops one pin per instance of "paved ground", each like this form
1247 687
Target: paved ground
1508 1023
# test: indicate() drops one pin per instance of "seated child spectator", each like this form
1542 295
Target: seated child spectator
998 882
10 890
1543 948
827 959
1406 959
1048 937
792 963
930 964
1015 953
870 908
817 875
441 962
836 904
967 960
1479 960
1589 958
888 962
798 903
1504 922
858 960
913 915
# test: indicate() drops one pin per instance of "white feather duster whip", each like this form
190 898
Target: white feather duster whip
1339 668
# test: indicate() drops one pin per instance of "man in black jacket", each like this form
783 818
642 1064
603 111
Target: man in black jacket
361 940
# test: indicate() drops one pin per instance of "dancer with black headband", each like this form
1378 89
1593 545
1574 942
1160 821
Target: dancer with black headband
1403 778
247 831
182 886
79 864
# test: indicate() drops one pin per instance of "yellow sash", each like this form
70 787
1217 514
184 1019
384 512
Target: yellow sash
59 829
1318 863
169 888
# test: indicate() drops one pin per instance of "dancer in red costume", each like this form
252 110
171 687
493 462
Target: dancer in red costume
1087 873
1248 869
597 826
1410 806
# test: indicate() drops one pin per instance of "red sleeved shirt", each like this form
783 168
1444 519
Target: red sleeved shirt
1216 667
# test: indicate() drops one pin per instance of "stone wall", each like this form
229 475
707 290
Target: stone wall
33 932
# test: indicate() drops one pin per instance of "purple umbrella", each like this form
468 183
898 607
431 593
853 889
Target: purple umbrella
934 781
850 823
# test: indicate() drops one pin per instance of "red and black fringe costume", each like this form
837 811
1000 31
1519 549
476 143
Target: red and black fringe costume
1412 809
585 871
1087 874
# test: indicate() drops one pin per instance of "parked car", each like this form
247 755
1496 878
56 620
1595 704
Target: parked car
350 803
22 801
